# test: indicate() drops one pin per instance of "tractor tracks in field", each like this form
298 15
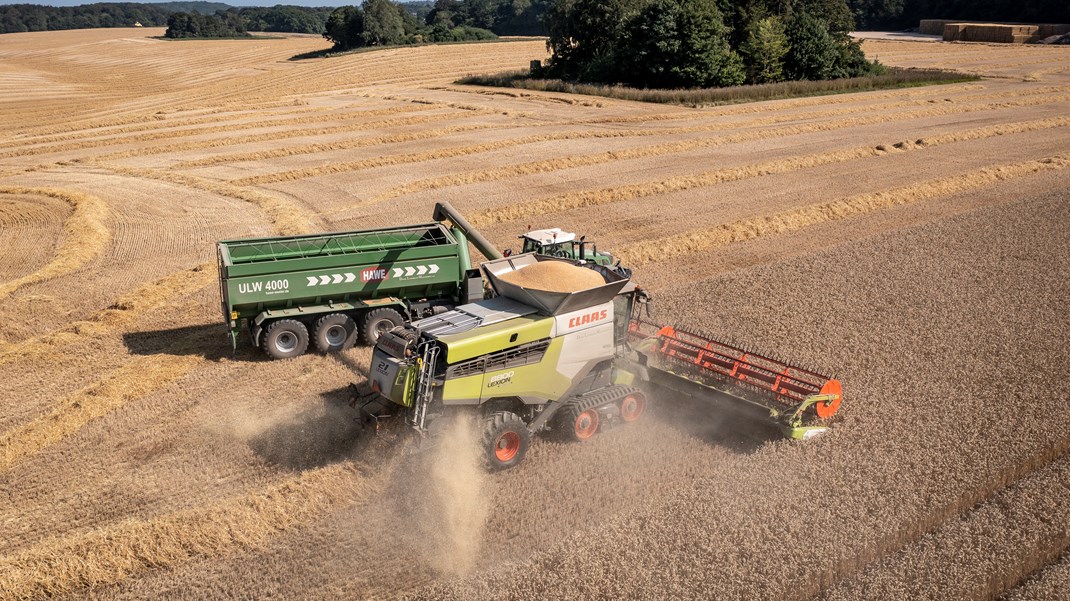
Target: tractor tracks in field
288 217
124 311
604 196
137 378
113 553
667 248
223 141
86 236
162 128
576 161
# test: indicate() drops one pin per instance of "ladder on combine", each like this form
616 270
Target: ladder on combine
797 400
424 385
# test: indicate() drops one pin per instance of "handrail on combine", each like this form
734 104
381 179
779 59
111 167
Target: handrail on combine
787 391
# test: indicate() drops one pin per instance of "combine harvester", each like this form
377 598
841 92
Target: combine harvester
562 348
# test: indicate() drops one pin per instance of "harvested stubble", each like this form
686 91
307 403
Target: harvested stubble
287 217
133 546
587 198
86 236
129 307
664 249
670 148
554 276
133 380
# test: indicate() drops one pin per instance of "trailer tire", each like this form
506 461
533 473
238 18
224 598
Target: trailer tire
334 332
285 339
379 321
505 440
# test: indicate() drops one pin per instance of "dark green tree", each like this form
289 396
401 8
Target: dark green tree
679 43
383 23
584 36
813 52
345 28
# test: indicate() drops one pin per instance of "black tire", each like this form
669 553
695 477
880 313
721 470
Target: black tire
285 339
334 332
379 321
505 440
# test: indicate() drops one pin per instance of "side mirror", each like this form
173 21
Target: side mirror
507 252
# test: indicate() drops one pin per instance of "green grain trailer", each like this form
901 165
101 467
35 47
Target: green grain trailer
328 288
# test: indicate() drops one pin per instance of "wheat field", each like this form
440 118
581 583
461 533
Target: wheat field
915 242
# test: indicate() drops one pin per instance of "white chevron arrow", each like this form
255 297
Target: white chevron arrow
312 280
350 277
398 272
337 278
421 269
410 271
434 268
325 279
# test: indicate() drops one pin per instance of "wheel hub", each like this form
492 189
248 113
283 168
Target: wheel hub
286 342
336 335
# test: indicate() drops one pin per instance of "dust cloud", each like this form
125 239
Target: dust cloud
455 504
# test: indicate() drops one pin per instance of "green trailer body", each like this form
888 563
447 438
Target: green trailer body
414 269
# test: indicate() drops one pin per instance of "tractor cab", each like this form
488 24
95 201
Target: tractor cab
555 242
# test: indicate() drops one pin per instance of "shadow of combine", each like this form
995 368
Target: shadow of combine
714 424
206 340
315 437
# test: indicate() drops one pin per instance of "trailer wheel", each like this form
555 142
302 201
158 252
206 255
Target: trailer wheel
379 321
505 440
334 332
285 339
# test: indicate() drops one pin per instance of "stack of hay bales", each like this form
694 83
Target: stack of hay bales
936 26
999 33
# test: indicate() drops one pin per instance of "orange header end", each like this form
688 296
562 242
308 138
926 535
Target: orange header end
667 331
826 409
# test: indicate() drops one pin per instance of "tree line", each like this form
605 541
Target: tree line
386 23
16 18
211 17
235 22
702 43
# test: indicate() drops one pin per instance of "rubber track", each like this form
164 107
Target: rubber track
599 397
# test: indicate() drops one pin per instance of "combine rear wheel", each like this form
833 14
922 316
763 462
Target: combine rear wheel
505 440
334 332
632 406
580 425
